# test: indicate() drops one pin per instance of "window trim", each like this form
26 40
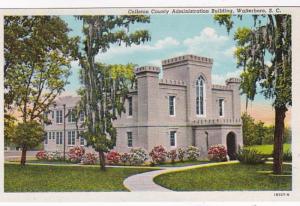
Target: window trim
59 117
175 138
199 79
71 116
70 137
174 105
129 139
130 106
222 107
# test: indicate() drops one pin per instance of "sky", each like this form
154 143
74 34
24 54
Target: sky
174 35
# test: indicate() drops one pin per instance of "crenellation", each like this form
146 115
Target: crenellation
172 82
183 58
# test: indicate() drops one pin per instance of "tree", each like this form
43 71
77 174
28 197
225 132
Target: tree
38 53
268 39
105 86
28 135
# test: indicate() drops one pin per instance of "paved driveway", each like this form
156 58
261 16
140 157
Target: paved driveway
16 155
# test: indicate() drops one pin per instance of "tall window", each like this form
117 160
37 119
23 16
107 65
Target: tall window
46 138
172 138
71 115
206 138
71 137
129 139
172 105
59 116
129 106
59 137
52 115
200 92
82 141
221 107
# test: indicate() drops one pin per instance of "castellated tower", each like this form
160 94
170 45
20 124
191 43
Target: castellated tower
234 84
190 68
148 92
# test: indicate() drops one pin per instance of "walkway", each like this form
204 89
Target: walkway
143 182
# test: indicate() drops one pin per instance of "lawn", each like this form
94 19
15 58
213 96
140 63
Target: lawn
233 177
182 164
268 148
40 178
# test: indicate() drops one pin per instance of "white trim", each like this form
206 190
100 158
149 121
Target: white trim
174 105
175 139
222 107
204 97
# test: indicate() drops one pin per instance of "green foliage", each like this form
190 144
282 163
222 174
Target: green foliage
9 127
28 135
256 133
287 156
105 87
255 45
37 53
250 156
42 178
231 177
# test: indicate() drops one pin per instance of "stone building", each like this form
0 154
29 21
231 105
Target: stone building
180 109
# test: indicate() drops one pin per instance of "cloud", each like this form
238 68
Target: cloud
208 43
230 52
161 44
221 78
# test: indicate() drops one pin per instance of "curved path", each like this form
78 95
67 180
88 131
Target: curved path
143 182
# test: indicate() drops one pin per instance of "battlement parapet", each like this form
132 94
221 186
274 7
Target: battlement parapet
172 82
188 57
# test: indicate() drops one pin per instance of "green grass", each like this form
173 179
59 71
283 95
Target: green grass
268 149
40 178
233 177
182 164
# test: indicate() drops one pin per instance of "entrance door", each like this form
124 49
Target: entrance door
231 145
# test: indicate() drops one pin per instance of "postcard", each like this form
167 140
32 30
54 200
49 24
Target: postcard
150 104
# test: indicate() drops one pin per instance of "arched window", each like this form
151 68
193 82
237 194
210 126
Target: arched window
200 93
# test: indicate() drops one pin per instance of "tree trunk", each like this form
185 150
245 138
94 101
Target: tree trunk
102 160
23 157
278 139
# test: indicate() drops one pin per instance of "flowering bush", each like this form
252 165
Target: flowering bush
41 155
124 158
192 153
52 156
89 159
181 154
172 155
75 154
137 156
217 153
113 157
158 154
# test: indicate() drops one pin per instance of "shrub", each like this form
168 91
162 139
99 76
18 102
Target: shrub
55 156
158 154
89 159
250 156
287 156
75 154
137 156
217 153
41 155
172 155
113 157
181 154
192 153
124 157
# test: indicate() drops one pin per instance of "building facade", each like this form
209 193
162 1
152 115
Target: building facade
180 109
